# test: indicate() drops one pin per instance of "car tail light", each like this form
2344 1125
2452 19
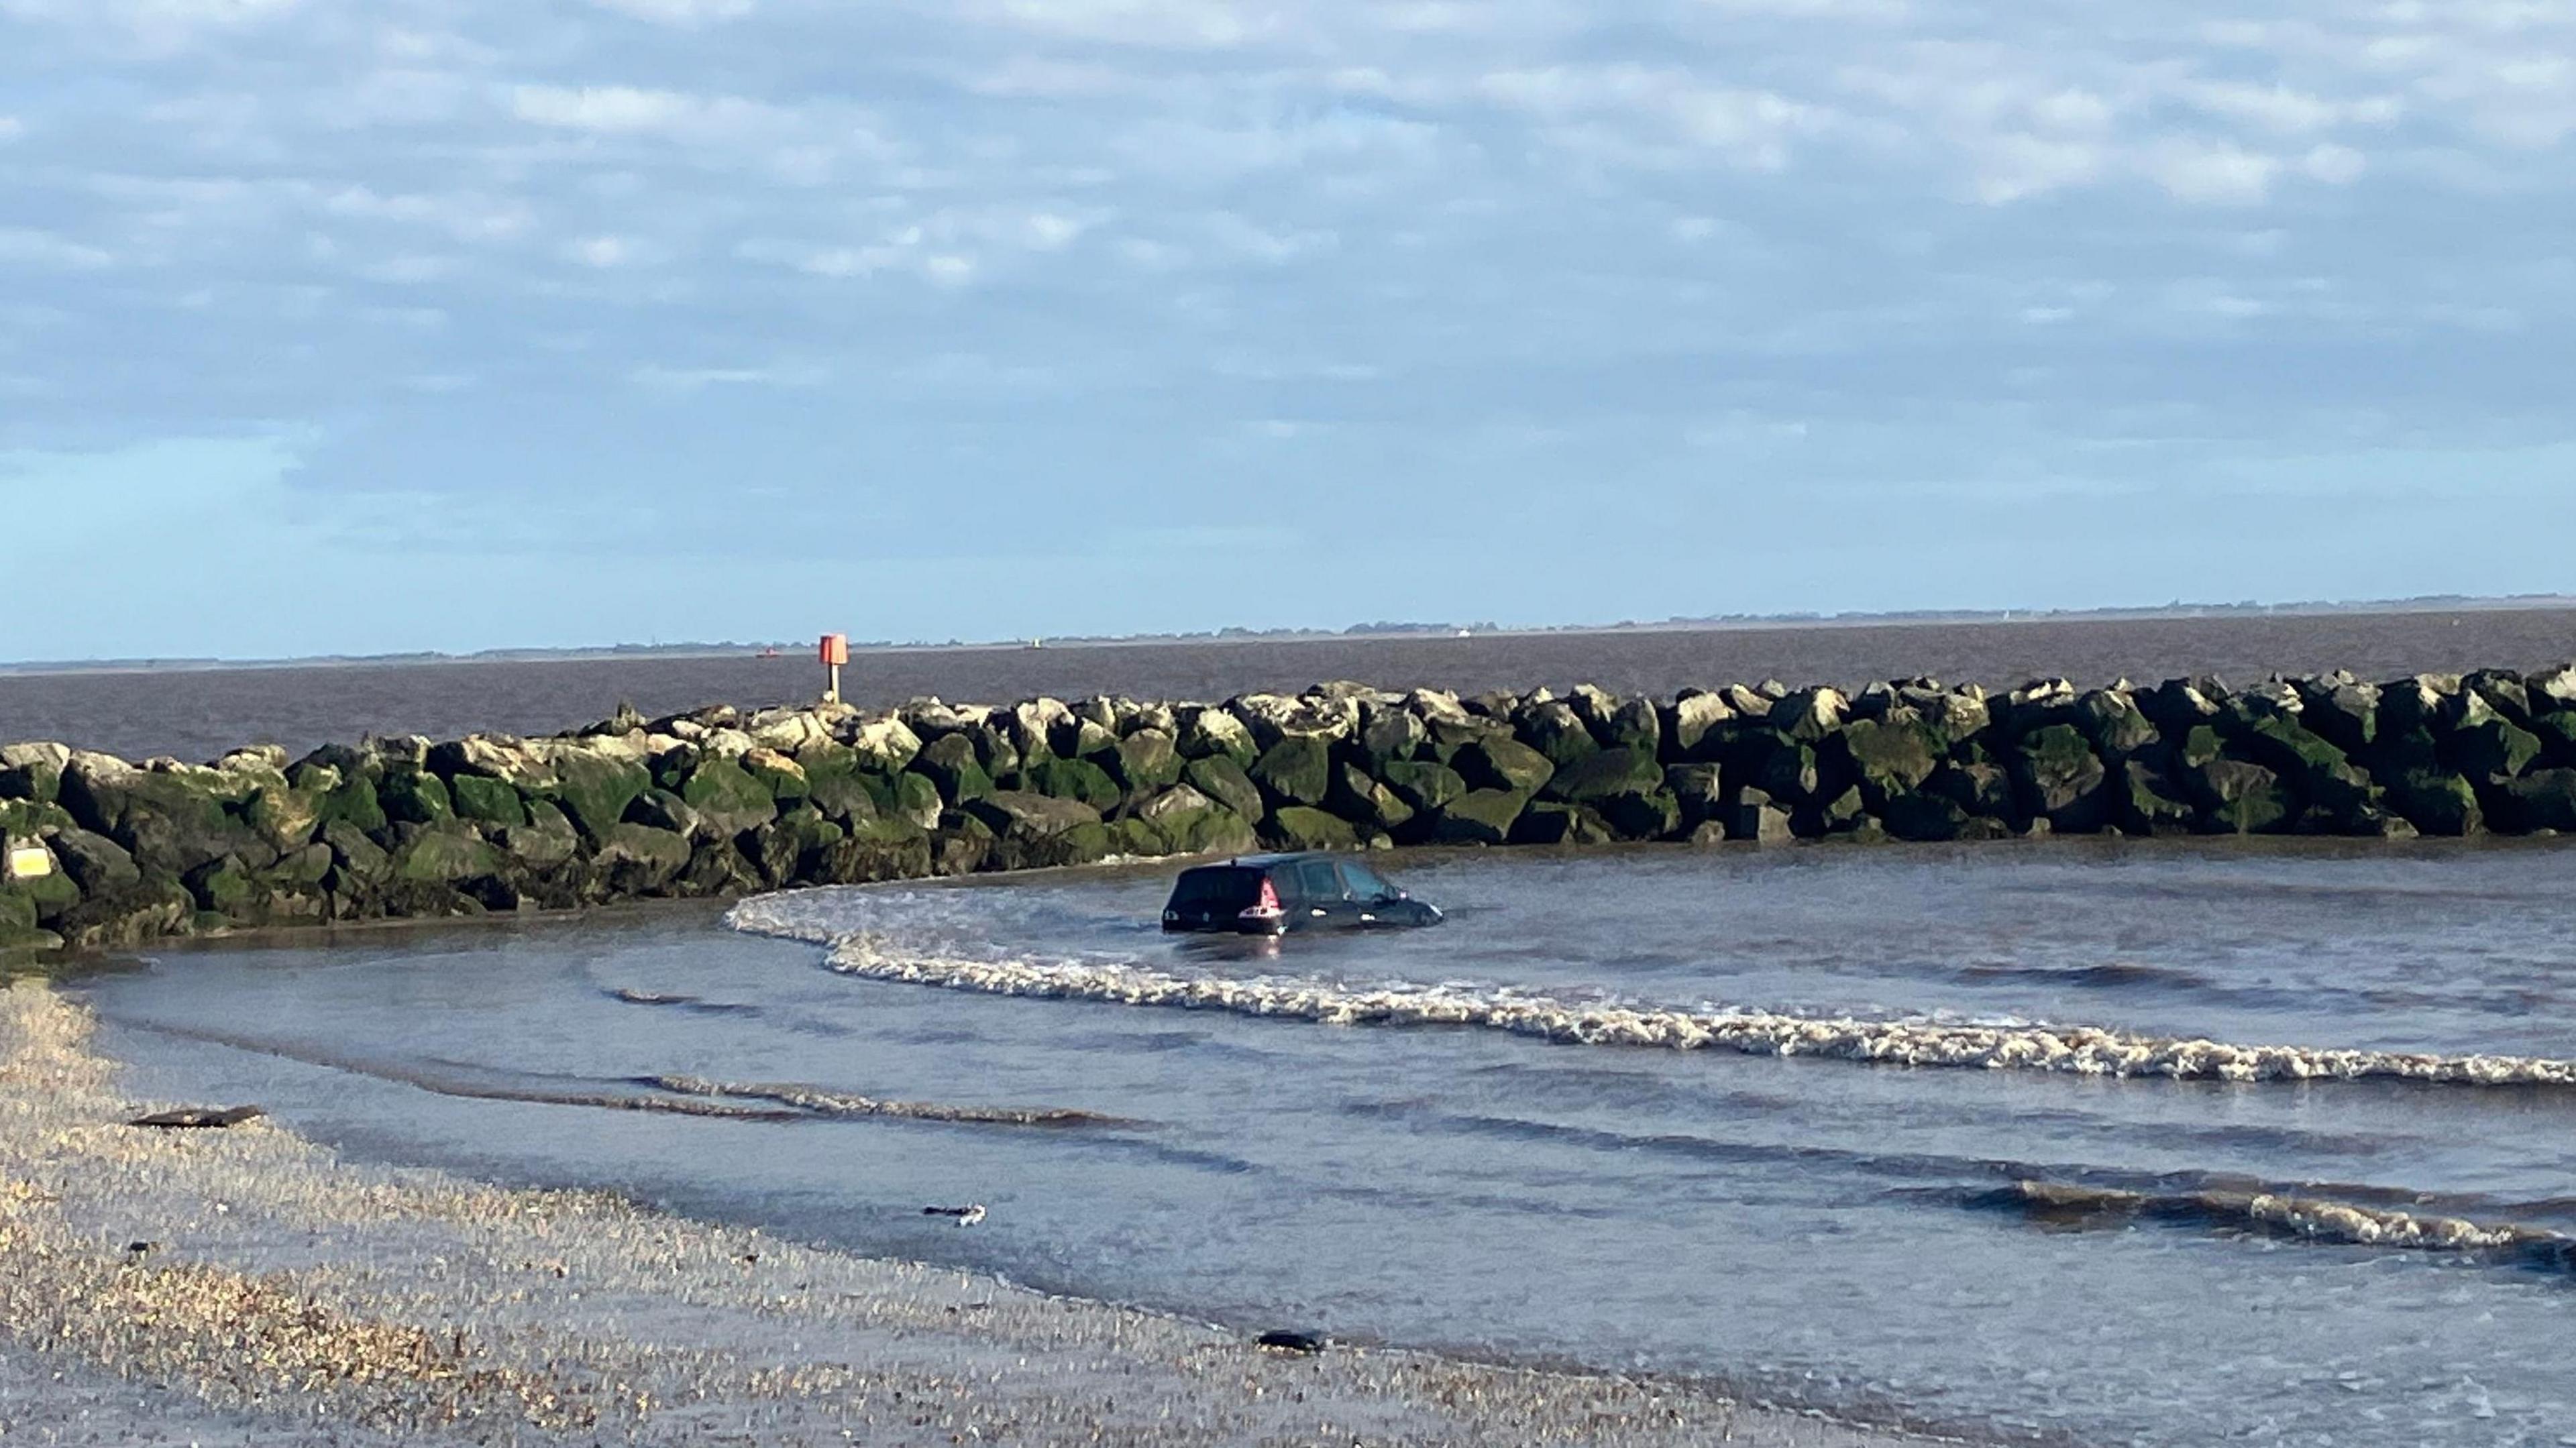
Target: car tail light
1267 907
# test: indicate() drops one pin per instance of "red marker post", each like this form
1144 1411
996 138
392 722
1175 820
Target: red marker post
835 650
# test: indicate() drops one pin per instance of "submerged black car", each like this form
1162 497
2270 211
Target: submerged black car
1274 894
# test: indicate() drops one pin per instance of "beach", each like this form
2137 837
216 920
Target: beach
246 1286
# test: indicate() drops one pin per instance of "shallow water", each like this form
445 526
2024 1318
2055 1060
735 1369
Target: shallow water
2209 1259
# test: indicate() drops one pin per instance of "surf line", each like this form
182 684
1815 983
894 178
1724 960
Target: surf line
2064 1050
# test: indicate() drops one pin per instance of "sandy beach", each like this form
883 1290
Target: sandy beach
244 1286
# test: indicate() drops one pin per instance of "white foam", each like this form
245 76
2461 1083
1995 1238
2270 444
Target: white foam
2067 1050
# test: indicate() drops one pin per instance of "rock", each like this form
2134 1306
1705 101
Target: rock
487 801
358 861
99 865
1927 817
1553 729
1891 756
2554 687
949 762
2544 800
1603 776
1179 799
727 799
156 907
1424 785
448 854
1214 733
198 1118
785 780
2149 801
1298 827
1478 817
170 819
1696 725
1074 779
1390 734
2346 714
1145 761
547 841
2492 747
1779 766
885 744
1810 714
1953 715
637 858
961 845
2434 800
1548 823
1754 818
2115 724
2422 702
1699 791
1220 778
1296 770
1370 806
2062 779
663 810
1019 815
847 795
593 787
794 847
2239 798
354 800
1214 830
1273 717
893 849
1504 765
417 797
1983 790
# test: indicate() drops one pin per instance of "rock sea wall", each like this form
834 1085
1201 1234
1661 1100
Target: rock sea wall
104 853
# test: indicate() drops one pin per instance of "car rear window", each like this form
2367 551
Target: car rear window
1216 887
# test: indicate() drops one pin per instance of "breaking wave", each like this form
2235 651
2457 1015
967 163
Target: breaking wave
2276 1215
2065 1050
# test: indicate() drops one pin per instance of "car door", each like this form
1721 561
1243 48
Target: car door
1370 897
1322 902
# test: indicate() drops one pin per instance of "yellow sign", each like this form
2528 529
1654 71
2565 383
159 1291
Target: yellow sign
29 862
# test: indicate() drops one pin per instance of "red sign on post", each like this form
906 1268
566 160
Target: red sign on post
836 649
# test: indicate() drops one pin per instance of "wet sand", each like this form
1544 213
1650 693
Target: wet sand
245 1286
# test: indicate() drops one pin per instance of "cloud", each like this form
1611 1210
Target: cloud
630 111
680 12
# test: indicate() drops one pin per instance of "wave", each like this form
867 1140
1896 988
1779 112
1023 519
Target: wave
2065 1050
2269 1214
824 1101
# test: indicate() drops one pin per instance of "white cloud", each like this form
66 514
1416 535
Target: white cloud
11 128
2206 172
628 110
679 12
602 252
27 247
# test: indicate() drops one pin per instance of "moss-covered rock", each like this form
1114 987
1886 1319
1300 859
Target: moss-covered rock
879 849
1299 827
1500 765
593 788
487 801
2435 801
1548 822
1214 734
1556 732
1890 756
1298 770
2493 748
2544 799
171 820
2150 801
1371 806
1782 767
547 841
949 762
727 797
2062 780
638 859
157 906
447 854
1214 830
2114 723
1478 817
2240 798
1075 779
1424 784
415 797
1220 778
780 774
1021 815
1146 761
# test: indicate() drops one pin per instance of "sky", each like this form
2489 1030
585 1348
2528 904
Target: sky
382 325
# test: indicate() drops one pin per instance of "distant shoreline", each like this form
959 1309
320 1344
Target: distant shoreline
633 653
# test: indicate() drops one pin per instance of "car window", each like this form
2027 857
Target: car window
1365 883
1316 880
1215 887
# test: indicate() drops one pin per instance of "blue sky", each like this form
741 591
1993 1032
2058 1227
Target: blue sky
360 325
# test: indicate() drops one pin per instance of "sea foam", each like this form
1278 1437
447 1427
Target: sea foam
2062 1049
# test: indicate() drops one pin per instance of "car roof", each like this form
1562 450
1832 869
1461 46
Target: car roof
1264 862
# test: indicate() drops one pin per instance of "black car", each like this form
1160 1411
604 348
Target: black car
1274 894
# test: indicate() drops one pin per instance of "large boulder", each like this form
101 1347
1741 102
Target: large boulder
639 859
1810 714
1983 790
727 798
1214 733
1891 756
2061 779
1604 776
2489 746
2236 797
593 786
1504 765
1478 817
1296 770
1145 761
1695 726
1372 807
1423 784
949 762
1556 731
1221 778
2343 710
892 849
1013 814
2150 801
2544 799
448 854
1782 767
1298 827
1214 830
2114 722
1073 779
98 865
486 800
1390 733
172 820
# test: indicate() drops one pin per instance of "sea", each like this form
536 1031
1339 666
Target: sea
2053 1141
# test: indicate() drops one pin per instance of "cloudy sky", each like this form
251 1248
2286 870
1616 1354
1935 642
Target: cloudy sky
389 324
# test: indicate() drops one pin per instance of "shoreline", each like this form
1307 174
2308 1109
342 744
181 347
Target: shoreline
291 1297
